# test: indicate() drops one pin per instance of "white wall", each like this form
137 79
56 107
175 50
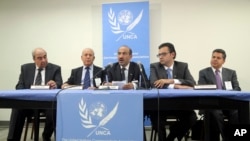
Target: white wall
65 27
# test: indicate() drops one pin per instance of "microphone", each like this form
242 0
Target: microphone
95 75
141 76
107 68
139 64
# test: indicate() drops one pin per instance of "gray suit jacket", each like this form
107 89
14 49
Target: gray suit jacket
206 76
180 72
26 78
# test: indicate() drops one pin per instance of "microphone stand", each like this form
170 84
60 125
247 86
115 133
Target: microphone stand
106 68
141 74
139 81
158 113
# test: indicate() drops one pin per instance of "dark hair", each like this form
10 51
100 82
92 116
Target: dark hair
170 47
222 52
130 50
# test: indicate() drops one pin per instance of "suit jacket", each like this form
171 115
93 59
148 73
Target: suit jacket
180 72
76 75
26 78
134 73
207 76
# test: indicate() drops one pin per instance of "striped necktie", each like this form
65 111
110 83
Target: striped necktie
38 80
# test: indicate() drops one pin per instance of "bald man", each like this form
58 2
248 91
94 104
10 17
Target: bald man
50 74
88 69
126 70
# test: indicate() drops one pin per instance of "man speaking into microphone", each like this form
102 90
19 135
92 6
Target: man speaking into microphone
88 75
126 70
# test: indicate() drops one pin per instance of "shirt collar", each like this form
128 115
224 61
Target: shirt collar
171 67
38 68
126 67
90 67
220 69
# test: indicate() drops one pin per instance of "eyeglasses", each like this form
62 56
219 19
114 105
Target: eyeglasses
162 54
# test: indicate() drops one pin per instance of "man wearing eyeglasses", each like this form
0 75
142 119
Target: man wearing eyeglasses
171 74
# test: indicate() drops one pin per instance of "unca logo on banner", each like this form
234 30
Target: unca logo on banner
125 18
96 117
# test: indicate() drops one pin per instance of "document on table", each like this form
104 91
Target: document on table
120 84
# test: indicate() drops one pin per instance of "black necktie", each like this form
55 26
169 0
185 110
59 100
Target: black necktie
86 81
123 73
38 80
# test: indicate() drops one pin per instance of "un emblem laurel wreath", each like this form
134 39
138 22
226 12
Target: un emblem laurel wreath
115 26
86 118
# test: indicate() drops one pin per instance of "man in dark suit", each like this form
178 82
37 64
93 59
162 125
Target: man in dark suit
125 70
48 74
80 75
227 79
171 74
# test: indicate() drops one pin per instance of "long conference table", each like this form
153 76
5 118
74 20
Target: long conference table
154 99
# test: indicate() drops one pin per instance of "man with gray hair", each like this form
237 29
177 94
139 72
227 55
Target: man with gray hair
88 75
40 72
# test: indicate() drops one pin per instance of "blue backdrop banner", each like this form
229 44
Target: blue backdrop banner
126 24
99 116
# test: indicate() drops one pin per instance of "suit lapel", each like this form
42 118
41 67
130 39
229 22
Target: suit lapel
174 71
118 73
94 71
224 76
95 75
79 76
131 72
47 73
211 75
32 72
162 72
